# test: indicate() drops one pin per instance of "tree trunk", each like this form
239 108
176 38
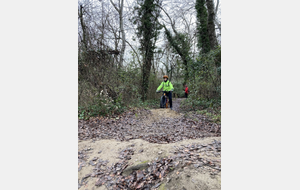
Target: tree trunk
146 74
123 34
147 31
83 27
203 39
147 62
211 24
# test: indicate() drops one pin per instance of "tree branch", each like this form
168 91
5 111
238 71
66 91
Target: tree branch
115 6
217 7
134 52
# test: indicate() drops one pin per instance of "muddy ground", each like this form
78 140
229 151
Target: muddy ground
149 149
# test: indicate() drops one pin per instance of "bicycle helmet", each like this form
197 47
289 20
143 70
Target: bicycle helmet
166 76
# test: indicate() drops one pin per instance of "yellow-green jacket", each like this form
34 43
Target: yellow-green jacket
167 86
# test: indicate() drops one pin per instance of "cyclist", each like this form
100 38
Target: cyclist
168 87
186 90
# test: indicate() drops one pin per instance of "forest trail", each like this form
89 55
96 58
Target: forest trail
149 149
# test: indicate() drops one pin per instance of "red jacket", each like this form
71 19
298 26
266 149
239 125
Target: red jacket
186 90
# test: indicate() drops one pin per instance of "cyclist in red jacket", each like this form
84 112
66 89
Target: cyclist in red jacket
186 91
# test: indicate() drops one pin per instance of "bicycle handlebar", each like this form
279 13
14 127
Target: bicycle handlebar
163 91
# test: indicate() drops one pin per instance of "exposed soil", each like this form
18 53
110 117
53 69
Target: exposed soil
149 149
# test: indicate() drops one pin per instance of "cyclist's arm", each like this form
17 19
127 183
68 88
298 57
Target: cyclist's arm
160 86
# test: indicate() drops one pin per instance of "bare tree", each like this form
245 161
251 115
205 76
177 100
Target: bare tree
120 11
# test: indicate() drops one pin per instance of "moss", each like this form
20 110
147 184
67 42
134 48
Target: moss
162 187
146 161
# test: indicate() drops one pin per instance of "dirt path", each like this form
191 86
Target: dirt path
149 149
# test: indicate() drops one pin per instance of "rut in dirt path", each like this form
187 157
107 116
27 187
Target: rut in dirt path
165 113
176 104
155 126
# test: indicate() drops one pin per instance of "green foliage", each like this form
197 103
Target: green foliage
101 104
148 104
178 89
214 116
180 45
205 84
146 19
94 101
200 104
129 88
202 26
209 108
205 76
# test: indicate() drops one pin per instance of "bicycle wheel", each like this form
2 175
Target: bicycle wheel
162 102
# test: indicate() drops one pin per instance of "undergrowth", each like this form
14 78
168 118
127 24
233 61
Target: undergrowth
210 108
108 107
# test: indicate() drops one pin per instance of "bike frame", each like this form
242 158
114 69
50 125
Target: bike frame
166 98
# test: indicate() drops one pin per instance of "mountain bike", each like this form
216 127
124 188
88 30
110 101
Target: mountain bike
164 99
